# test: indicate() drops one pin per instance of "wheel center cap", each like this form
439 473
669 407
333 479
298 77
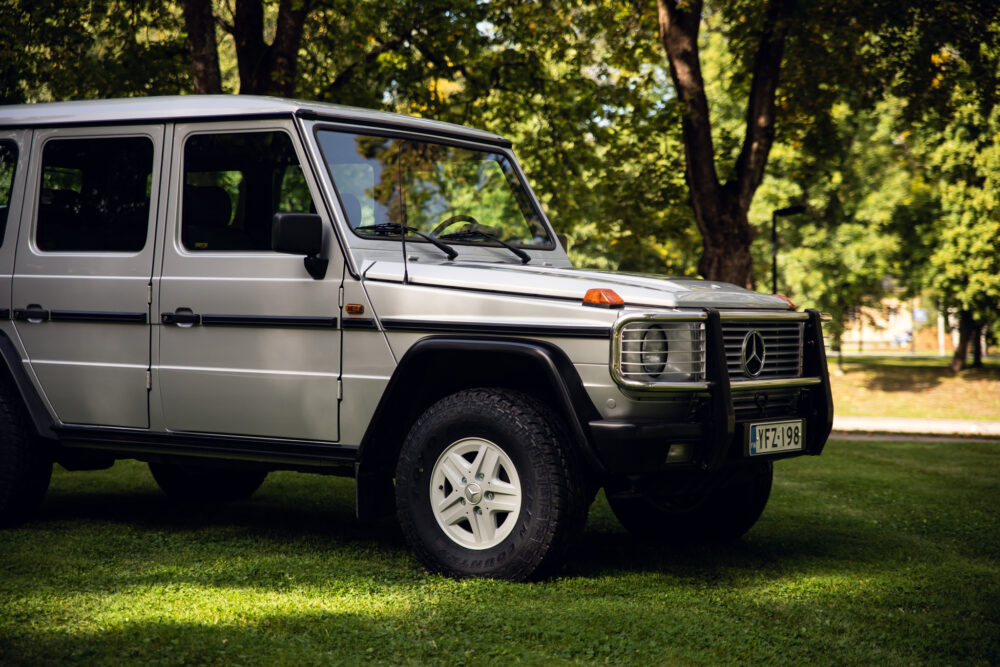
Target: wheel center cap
473 493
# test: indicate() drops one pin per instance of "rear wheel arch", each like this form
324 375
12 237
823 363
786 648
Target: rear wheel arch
436 367
12 373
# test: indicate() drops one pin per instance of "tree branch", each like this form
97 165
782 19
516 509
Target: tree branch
679 35
203 46
760 107
384 47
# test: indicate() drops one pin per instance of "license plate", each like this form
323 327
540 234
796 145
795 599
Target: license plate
775 437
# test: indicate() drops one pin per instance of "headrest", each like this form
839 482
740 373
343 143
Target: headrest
352 207
206 206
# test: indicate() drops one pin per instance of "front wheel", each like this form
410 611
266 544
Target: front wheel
724 514
487 487
205 484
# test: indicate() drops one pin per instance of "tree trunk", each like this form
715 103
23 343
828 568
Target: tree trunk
721 209
966 330
977 345
268 69
200 26
726 239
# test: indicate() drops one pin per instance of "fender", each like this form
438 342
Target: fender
40 417
432 368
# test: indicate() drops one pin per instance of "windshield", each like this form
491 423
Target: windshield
455 194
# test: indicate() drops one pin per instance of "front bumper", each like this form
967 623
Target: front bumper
714 435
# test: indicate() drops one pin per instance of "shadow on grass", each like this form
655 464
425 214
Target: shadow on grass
314 519
910 379
306 526
890 375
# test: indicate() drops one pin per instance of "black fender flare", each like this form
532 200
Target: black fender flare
30 399
550 366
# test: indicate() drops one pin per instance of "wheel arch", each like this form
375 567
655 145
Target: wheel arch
12 370
437 366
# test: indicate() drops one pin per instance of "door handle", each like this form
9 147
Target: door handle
181 316
33 313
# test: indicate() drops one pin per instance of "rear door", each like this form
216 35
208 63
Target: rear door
80 292
248 343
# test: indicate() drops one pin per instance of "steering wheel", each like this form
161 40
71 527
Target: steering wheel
448 222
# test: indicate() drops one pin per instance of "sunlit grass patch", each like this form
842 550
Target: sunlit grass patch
915 387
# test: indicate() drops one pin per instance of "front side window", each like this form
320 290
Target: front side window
8 162
234 184
453 193
95 195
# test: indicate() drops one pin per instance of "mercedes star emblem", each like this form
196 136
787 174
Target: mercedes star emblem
753 353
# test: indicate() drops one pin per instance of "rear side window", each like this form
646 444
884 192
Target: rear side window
8 161
233 186
95 194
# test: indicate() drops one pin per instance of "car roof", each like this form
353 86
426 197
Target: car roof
175 108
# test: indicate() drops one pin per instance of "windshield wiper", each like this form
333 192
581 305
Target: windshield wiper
468 233
396 228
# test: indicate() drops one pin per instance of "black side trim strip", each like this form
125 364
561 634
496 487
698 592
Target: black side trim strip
366 323
23 314
496 329
4 313
248 448
281 321
97 316
268 321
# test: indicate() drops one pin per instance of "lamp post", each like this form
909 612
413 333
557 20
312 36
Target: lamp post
780 212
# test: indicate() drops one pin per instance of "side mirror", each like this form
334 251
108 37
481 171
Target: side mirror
300 234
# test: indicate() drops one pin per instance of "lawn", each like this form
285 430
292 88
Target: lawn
904 386
875 552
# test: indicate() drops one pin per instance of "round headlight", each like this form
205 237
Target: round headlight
653 350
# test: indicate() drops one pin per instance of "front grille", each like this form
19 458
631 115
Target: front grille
782 348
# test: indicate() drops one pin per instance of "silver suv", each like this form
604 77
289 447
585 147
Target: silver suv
226 286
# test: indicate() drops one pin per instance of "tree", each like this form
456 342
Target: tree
721 208
97 49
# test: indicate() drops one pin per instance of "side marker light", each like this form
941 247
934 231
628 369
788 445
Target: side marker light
603 298
354 309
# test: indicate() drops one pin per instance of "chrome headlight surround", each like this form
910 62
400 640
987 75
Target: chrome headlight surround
663 352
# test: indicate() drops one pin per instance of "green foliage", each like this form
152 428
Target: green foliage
965 161
100 48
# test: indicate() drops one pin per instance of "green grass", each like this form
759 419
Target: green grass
875 552
914 387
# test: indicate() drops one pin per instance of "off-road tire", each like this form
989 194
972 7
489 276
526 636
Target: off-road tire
206 484
724 514
25 467
554 493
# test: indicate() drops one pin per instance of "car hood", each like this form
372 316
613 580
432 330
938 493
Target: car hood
568 283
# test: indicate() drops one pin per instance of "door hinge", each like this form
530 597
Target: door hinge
149 380
340 297
340 390
149 294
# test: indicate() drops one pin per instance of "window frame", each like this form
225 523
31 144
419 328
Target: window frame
152 133
181 140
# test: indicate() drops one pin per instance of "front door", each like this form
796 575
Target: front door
248 343
80 295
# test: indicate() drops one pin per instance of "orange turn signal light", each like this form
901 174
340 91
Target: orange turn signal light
786 300
603 298
354 309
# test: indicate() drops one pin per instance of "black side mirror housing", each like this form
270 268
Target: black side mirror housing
300 234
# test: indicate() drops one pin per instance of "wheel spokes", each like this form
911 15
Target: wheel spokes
475 493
